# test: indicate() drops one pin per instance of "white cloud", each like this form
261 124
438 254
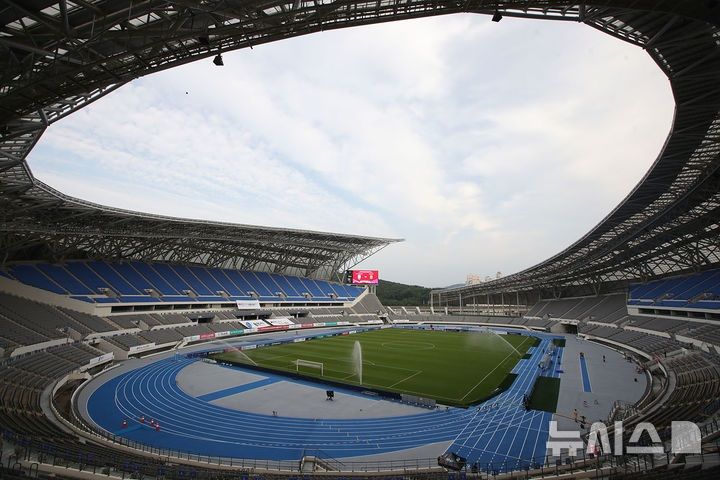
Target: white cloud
487 146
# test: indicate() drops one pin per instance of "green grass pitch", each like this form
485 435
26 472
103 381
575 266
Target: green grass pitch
545 394
451 367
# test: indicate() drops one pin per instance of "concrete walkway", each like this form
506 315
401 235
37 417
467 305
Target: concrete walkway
611 380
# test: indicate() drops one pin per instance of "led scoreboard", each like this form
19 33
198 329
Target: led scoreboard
362 277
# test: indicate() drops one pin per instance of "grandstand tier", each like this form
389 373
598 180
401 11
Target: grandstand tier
697 291
27 325
131 282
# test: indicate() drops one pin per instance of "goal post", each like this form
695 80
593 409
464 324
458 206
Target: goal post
308 363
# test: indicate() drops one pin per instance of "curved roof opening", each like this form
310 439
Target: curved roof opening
488 146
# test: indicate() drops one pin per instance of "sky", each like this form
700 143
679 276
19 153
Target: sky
487 147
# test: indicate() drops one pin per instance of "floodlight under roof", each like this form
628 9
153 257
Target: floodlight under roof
218 60
497 17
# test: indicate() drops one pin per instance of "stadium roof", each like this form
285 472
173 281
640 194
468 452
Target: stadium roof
45 223
56 57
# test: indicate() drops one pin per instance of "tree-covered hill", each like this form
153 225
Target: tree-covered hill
396 294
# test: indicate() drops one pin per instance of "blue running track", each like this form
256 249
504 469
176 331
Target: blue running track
585 375
499 432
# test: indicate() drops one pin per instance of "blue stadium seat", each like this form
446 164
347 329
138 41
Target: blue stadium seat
134 282
137 299
161 285
270 285
297 285
327 288
240 281
227 284
133 277
207 280
314 289
106 300
177 298
691 291
171 276
89 278
284 284
63 278
30 275
258 286
212 298
705 283
119 284
195 284
354 290
82 298
671 303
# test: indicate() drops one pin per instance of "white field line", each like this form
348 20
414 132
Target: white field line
491 371
406 378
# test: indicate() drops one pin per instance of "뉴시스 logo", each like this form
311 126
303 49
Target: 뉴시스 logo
685 438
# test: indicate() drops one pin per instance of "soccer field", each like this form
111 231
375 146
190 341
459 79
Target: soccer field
451 367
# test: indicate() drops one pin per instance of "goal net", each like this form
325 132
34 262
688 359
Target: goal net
308 363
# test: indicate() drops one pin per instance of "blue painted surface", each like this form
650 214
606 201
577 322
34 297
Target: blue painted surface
209 397
499 434
509 437
123 431
585 375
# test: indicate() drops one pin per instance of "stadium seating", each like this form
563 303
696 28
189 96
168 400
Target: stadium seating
604 308
642 341
704 333
25 322
20 400
701 290
160 337
128 340
697 383
21 317
137 282
667 325
603 317
23 421
697 375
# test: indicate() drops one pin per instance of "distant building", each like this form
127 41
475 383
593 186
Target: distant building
473 279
